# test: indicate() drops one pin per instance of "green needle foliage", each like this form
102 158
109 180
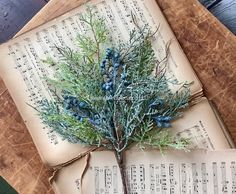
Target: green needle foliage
113 95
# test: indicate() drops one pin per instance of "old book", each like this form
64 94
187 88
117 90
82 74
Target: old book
150 172
22 69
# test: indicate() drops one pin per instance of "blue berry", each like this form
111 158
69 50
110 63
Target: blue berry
78 117
96 116
102 66
163 118
159 124
107 87
123 76
82 104
116 55
104 86
167 118
109 99
104 61
127 83
67 107
108 50
75 101
68 101
108 53
116 65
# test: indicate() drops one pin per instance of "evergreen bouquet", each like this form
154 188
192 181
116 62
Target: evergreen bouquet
113 95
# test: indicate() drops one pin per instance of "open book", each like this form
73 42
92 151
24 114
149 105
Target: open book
22 69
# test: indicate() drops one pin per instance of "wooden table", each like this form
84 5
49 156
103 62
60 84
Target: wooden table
14 14
209 46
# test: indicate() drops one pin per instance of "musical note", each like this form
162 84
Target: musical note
224 181
215 178
97 182
77 184
115 180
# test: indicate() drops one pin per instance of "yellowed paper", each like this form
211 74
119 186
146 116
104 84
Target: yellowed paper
149 172
201 126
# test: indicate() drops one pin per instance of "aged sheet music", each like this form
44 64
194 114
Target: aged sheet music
201 126
149 172
22 69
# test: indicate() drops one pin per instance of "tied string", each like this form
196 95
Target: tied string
86 154
84 171
196 98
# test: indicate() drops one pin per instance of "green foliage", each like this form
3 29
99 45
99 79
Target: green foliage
113 97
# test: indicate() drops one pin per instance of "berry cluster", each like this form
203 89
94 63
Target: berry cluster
75 106
80 110
109 67
163 121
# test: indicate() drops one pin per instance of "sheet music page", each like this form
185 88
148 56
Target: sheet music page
200 125
149 172
22 69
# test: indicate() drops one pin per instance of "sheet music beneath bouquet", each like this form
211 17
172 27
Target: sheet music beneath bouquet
200 126
22 68
149 172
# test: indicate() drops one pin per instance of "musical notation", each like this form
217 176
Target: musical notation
78 184
171 178
197 135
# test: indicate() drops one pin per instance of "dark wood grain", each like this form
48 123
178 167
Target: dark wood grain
210 3
14 14
225 11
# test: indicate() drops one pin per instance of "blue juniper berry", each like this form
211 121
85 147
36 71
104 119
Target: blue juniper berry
163 121
108 53
123 76
75 107
103 65
111 57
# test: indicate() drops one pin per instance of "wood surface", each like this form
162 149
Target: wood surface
20 163
14 14
209 46
224 10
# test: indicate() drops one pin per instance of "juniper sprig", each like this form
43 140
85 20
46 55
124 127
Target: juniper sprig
113 95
